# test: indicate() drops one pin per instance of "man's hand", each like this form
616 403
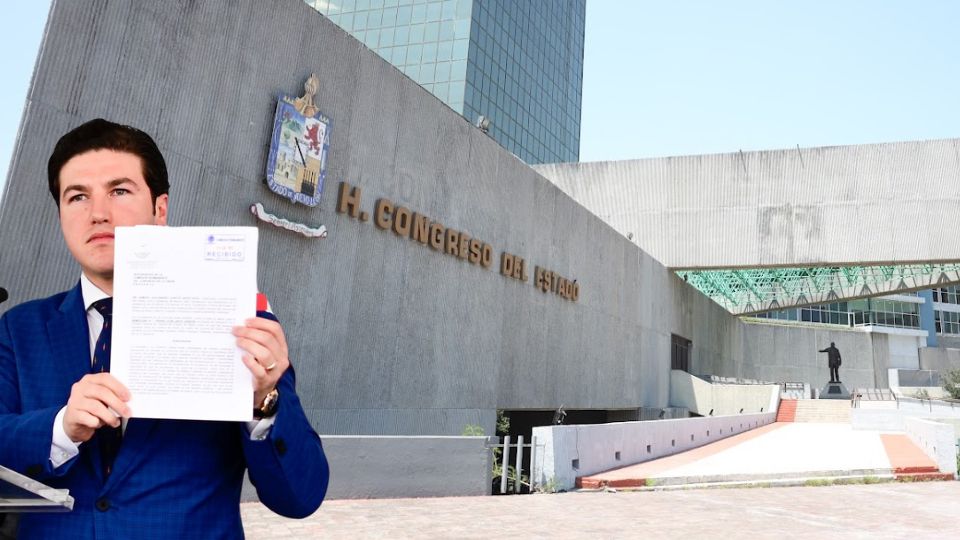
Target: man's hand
88 408
266 354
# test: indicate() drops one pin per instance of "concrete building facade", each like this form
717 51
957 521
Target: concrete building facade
388 335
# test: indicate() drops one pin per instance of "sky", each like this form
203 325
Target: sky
684 77
21 28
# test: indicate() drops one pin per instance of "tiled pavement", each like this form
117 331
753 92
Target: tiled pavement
879 511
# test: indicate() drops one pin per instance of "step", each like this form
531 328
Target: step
925 477
787 410
829 478
817 410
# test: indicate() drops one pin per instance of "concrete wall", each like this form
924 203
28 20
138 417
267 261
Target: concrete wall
371 467
595 447
939 359
938 440
705 398
380 467
793 207
789 353
388 337
948 341
904 350
920 384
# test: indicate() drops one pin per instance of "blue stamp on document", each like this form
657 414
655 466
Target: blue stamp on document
224 247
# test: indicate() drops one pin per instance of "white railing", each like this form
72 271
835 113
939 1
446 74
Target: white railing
505 457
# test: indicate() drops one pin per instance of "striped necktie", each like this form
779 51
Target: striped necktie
109 437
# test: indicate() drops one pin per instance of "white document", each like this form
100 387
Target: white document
178 293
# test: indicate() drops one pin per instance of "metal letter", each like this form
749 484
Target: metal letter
401 221
506 264
453 240
436 236
420 227
382 213
474 251
349 200
487 258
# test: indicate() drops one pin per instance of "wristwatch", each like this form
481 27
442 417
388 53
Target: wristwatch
269 406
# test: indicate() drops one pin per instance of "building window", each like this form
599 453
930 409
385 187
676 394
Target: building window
947 322
680 353
835 313
947 295
885 313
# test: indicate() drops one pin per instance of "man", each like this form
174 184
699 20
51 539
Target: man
833 362
138 477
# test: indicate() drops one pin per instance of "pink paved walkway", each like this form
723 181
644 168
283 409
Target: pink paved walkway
637 475
778 451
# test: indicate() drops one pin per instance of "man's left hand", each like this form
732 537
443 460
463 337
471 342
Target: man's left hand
266 357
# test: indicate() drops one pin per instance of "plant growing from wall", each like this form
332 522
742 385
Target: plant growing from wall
512 480
550 486
951 383
503 424
472 430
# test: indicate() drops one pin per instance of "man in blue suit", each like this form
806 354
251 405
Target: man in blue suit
59 405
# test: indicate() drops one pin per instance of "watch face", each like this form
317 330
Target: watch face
269 404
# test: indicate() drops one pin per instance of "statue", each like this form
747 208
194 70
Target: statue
833 361
559 416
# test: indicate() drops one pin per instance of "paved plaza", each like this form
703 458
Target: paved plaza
807 454
878 511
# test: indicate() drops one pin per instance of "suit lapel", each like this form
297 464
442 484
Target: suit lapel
69 338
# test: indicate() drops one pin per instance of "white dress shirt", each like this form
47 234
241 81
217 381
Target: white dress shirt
63 449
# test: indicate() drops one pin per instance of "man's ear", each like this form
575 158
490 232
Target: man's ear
160 210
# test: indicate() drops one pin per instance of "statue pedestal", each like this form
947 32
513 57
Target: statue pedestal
834 390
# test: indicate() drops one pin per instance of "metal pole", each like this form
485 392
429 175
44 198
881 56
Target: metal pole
517 485
506 464
533 463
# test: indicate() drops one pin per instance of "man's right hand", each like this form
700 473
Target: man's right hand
88 408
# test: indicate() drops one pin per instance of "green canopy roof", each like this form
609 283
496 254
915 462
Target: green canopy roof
751 291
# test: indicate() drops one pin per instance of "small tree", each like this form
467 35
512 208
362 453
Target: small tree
951 383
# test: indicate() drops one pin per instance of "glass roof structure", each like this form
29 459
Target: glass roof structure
751 291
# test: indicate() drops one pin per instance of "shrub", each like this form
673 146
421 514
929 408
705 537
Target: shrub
951 383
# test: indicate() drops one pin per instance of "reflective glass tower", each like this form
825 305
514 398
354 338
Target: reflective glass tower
517 63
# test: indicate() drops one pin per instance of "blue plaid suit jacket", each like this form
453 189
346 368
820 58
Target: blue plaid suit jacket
171 478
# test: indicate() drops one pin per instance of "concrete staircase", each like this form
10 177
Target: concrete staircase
787 410
814 410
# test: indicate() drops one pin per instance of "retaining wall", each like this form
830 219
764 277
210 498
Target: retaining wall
376 467
580 450
706 398
938 440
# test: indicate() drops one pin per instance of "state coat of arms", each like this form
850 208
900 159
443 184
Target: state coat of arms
297 163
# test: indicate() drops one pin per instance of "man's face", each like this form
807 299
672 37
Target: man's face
101 190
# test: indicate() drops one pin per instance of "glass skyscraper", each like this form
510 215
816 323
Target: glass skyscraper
519 63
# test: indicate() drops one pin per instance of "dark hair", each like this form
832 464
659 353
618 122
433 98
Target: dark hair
100 134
